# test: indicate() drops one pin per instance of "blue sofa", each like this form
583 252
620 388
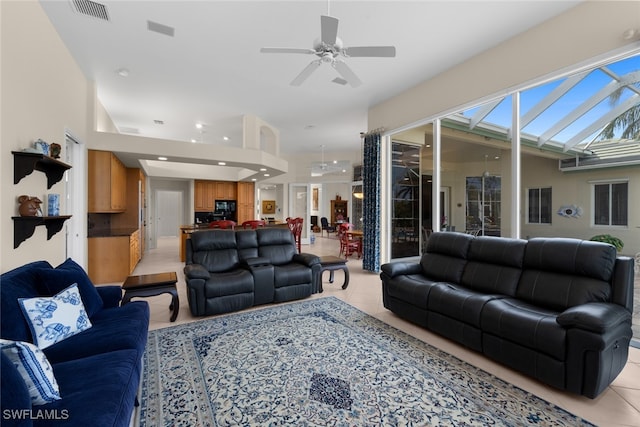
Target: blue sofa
97 370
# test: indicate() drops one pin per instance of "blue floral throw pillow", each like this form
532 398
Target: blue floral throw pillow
35 370
53 319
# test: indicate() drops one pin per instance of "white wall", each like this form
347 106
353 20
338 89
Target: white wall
584 32
43 92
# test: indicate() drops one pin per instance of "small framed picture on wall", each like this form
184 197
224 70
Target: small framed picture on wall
268 207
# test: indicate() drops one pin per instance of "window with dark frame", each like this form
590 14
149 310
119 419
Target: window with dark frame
610 203
539 205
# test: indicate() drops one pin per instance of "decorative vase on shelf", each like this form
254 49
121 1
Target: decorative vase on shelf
42 147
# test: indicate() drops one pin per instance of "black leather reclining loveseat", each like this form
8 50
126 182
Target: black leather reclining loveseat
229 270
556 309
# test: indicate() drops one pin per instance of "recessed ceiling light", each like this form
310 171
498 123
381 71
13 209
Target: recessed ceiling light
266 174
263 169
199 125
253 179
122 72
193 140
222 163
226 138
335 162
158 122
162 158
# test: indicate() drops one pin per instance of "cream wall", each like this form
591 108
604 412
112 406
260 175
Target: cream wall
43 93
574 188
584 32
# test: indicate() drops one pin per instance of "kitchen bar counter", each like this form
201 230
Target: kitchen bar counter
113 232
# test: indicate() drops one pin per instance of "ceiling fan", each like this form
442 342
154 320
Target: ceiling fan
329 49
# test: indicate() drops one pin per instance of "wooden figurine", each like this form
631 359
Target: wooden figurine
29 206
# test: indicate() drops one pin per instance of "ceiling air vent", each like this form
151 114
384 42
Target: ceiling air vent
160 28
90 8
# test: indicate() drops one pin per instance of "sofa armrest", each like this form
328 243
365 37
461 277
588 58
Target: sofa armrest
196 271
595 317
111 295
256 261
307 259
394 269
14 392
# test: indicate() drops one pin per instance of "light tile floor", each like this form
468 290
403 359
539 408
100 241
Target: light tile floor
619 405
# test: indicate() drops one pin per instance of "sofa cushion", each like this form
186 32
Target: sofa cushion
525 324
247 244
276 244
291 274
446 256
99 390
458 302
411 288
494 265
216 250
113 329
35 370
66 274
54 319
21 282
560 273
229 283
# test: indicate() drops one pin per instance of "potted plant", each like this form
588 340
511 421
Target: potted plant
608 238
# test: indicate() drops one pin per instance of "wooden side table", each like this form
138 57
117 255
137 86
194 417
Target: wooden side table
149 285
331 263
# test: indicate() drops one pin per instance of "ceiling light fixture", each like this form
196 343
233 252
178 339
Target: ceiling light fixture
122 72
162 158
222 163
199 125
226 138
266 174
263 169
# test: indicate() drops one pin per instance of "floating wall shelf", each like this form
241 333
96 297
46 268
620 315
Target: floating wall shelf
24 163
24 226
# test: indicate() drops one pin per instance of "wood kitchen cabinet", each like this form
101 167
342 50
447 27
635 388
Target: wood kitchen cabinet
225 190
246 201
107 183
133 216
205 193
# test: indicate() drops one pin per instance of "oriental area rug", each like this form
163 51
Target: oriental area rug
321 362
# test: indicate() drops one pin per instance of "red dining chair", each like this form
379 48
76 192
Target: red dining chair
295 225
223 224
253 224
350 245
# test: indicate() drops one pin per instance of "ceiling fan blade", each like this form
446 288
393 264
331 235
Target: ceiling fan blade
313 65
285 50
372 51
346 73
328 29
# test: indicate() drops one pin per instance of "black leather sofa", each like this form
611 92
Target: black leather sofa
229 270
556 309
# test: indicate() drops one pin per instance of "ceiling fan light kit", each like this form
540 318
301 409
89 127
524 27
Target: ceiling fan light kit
329 49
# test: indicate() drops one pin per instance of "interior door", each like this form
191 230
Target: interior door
300 206
168 213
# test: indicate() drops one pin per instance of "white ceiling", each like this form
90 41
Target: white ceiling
212 72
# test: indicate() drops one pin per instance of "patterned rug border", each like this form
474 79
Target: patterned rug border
506 401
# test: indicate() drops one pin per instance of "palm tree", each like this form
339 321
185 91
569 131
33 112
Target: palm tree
628 122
